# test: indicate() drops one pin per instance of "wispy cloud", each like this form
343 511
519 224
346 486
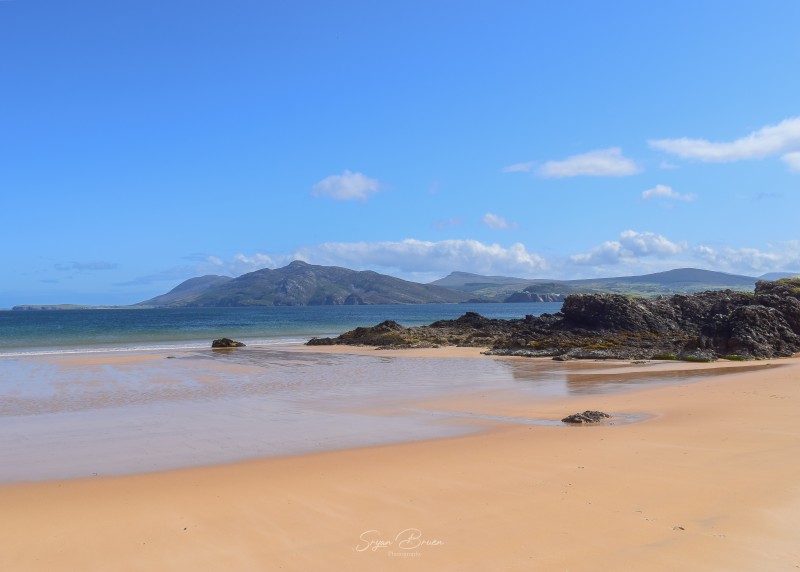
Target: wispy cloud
633 252
211 264
346 187
176 273
666 192
497 222
630 246
767 141
243 263
451 222
87 266
767 196
601 163
792 160
518 167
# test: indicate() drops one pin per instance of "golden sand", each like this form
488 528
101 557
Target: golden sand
708 482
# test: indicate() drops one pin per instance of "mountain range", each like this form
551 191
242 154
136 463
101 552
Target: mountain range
677 281
302 284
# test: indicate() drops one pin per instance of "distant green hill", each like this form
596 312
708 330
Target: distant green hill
494 288
468 282
301 284
680 280
772 276
187 291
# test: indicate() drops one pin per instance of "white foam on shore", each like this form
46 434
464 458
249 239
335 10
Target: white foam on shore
142 348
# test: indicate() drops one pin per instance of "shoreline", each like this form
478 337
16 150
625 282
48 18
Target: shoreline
707 482
138 348
65 415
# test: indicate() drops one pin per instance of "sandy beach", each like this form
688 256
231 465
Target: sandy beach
706 480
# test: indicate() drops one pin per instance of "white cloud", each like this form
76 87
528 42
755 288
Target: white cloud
785 256
631 246
346 187
665 192
770 140
87 266
255 262
601 163
176 274
423 261
497 222
792 160
241 263
518 167
414 257
632 253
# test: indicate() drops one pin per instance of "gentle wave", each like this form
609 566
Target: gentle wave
73 332
143 348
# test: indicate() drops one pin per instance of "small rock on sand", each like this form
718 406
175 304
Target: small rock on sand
226 343
586 417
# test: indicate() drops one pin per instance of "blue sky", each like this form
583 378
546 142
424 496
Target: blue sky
143 143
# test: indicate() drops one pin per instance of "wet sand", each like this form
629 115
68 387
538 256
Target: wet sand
706 482
122 413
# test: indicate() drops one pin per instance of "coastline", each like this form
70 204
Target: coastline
706 482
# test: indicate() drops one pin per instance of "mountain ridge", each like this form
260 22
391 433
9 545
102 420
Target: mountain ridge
303 284
678 280
186 290
300 283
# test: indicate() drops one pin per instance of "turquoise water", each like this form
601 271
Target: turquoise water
67 331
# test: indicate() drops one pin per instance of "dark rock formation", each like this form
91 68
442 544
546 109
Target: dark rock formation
226 343
586 417
696 327
388 333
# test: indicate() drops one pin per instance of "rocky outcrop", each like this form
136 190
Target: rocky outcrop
226 343
696 327
586 417
388 333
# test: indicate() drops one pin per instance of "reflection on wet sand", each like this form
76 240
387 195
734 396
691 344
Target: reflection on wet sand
121 413
598 378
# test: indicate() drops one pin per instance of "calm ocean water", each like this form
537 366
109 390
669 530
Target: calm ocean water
72 331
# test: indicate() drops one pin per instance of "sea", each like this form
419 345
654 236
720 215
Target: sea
42 332
86 393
